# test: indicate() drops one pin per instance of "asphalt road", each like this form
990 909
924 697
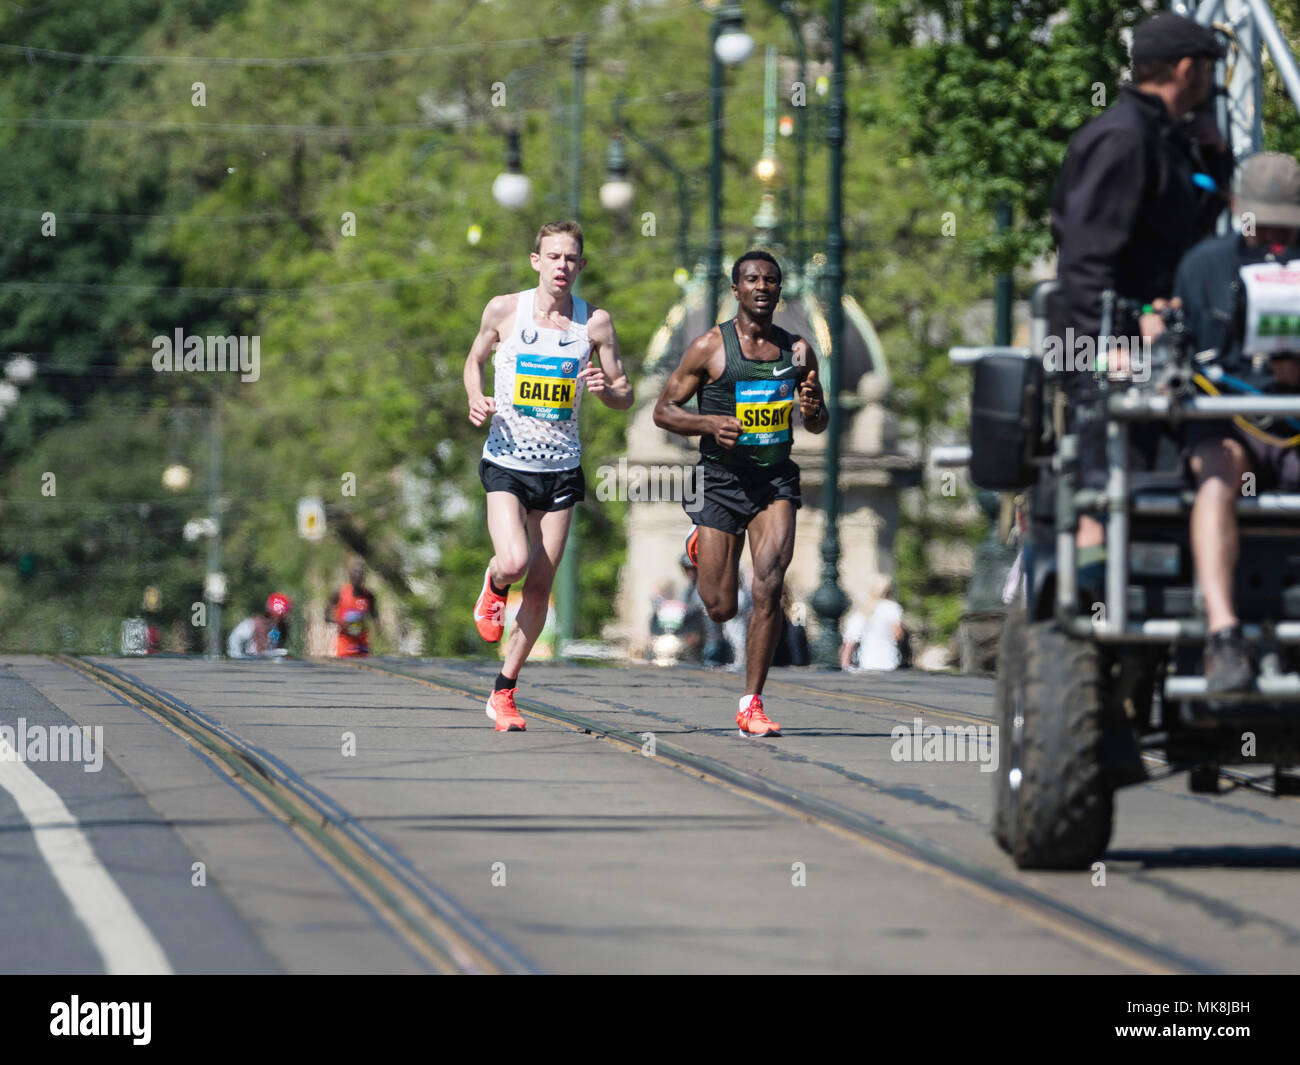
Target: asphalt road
559 850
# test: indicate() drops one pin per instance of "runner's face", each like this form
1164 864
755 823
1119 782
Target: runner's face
759 288
559 263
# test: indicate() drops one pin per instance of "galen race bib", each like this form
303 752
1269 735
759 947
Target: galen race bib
1272 307
764 409
545 387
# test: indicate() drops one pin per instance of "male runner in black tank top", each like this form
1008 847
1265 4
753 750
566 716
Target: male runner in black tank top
746 373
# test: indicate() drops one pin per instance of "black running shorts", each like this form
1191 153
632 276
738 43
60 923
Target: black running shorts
728 498
536 491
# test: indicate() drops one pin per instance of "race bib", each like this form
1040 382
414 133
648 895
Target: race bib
354 622
1272 307
545 387
764 408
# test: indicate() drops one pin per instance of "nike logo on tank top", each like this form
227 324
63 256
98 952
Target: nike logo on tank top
537 392
760 395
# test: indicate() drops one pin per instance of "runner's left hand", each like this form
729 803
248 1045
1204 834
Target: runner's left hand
593 379
810 396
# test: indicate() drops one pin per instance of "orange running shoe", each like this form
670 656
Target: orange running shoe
490 611
693 545
753 722
501 709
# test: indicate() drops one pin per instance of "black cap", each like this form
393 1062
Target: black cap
1169 36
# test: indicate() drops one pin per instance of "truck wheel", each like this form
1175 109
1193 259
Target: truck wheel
1062 803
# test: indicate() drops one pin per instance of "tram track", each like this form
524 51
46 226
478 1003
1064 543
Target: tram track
429 922
1062 920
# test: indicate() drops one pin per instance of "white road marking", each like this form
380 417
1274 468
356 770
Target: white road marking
122 939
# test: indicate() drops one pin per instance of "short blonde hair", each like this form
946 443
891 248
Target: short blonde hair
551 228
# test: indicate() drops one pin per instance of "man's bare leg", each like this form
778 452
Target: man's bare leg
507 525
717 574
1219 467
549 532
771 547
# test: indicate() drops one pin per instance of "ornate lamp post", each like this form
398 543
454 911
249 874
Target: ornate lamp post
829 600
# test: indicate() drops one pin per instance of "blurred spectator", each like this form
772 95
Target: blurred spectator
735 630
348 609
792 648
678 625
874 636
264 635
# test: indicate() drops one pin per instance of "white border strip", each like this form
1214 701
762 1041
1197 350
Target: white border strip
122 939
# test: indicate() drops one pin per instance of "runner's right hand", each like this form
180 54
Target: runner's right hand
481 409
726 431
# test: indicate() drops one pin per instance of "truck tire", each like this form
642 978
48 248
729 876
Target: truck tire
1062 803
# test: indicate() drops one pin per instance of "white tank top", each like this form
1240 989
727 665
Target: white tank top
537 392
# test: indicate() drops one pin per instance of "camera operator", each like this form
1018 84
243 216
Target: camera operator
1138 188
1209 283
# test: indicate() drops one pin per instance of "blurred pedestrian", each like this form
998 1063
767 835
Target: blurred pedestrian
874 635
263 635
677 623
348 609
792 649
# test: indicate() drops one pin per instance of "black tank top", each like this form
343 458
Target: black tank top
760 394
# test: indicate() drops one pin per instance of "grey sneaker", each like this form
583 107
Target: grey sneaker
1228 665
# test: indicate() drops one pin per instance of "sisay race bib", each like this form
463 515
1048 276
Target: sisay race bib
1272 307
764 409
545 387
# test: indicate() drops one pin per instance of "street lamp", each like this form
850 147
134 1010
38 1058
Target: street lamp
567 589
21 370
625 128
730 44
829 600
512 189
617 193
176 477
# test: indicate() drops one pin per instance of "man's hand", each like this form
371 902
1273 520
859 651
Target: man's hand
481 408
594 380
811 399
726 431
1152 325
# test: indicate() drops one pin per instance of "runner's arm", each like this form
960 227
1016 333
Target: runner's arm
683 383
330 608
812 401
607 381
482 407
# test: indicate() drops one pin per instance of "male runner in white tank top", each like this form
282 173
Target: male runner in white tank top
545 339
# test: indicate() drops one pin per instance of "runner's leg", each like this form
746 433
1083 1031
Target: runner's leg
507 527
549 532
717 574
771 547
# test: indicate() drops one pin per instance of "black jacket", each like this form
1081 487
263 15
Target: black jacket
1126 209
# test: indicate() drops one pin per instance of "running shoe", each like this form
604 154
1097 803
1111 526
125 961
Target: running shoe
753 722
693 545
490 611
501 709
